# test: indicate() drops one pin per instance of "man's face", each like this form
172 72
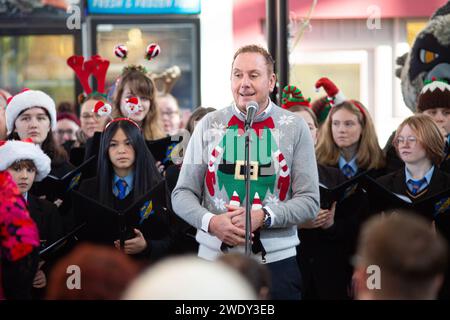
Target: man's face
250 80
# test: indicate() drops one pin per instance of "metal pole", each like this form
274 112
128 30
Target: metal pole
282 45
248 219
271 34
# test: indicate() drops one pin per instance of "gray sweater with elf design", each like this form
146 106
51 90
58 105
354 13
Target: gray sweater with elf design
284 177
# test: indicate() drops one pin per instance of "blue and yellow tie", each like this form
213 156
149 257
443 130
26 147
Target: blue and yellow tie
348 171
415 185
122 187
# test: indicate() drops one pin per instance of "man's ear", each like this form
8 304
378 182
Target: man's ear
272 82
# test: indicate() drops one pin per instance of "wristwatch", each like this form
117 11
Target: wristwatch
267 219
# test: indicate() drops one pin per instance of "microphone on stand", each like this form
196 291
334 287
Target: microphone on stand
252 109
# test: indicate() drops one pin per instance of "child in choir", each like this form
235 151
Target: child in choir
420 145
134 82
19 243
348 139
433 101
32 114
323 255
126 171
27 163
91 122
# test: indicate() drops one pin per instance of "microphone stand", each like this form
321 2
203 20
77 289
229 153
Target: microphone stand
248 219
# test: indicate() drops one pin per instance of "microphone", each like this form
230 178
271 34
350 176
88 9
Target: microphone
252 109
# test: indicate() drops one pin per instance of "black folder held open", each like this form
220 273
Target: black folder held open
104 225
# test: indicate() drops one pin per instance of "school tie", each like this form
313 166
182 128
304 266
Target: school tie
348 171
122 187
415 185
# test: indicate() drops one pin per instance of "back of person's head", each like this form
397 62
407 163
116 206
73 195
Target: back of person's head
196 116
256 273
400 256
190 278
104 274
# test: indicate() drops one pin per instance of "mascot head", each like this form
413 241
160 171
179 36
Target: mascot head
428 58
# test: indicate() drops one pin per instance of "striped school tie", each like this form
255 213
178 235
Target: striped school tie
414 185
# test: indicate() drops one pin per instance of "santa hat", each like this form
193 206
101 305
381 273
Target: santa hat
27 99
68 116
12 151
292 96
434 94
331 89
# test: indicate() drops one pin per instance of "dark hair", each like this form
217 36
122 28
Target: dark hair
198 114
23 164
55 152
146 174
66 106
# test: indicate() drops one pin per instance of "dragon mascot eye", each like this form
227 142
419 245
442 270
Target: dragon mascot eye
428 58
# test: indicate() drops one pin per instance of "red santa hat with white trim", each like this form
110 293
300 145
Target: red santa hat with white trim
27 99
12 151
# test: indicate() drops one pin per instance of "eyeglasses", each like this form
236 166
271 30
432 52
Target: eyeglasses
61 132
170 114
410 139
93 115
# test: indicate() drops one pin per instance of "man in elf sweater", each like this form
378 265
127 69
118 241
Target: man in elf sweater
210 194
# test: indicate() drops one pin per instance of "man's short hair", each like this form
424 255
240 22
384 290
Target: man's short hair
253 48
409 253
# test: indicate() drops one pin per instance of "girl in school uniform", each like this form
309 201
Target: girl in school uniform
433 101
32 114
126 171
420 145
349 142
134 83
27 163
19 243
323 255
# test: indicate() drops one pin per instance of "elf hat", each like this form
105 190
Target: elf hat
12 151
292 96
332 90
434 94
27 99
